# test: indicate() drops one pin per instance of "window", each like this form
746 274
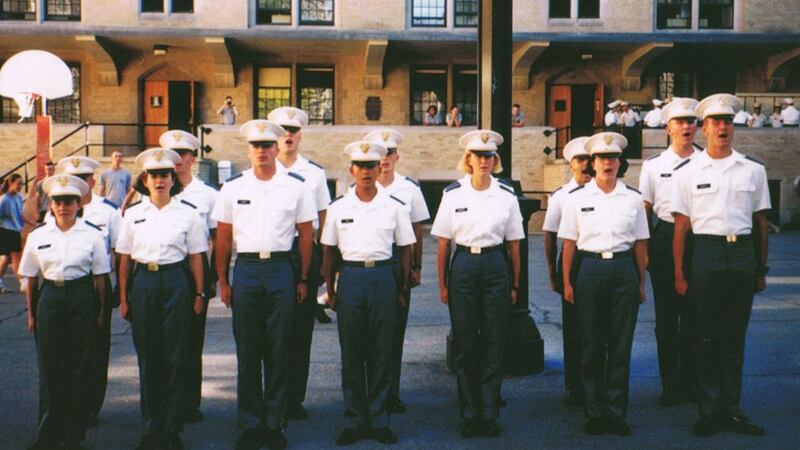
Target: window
183 6
428 88
316 12
63 10
588 9
465 94
315 91
274 12
560 9
9 113
675 84
428 13
18 9
674 14
716 14
68 109
152 5
466 12
274 89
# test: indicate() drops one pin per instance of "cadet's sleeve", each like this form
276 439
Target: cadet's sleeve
642 231
329 232
321 194
514 229
646 183
761 198
442 226
403 232
223 206
29 264
568 228
681 190
101 263
213 195
419 210
125 239
553 215
114 223
306 207
197 236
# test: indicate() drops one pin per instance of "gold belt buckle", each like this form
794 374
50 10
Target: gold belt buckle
152 267
264 255
730 238
475 250
607 255
59 283
369 264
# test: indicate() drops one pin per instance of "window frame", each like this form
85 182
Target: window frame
258 86
442 112
300 20
443 17
550 10
259 11
458 83
19 15
666 27
457 14
74 102
152 11
719 8
299 87
174 11
62 17
578 10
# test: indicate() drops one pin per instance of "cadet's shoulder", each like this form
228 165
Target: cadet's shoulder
653 157
207 186
576 189
633 189
753 160
452 186
558 189
505 187
397 200
412 181
234 178
336 200
296 176
91 225
133 205
683 164
109 203
37 228
189 204
316 164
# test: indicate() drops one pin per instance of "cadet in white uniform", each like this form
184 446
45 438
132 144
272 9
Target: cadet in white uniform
71 257
758 119
258 212
723 197
408 191
605 254
674 316
161 286
578 158
106 215
653 117
481 216
790 116
612 116
203 197
363 226
293 120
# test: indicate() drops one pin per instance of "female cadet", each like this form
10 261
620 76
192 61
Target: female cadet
70 255
605 234
482 216
159 292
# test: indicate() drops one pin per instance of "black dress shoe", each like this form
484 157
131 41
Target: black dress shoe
396 406
595 426
469 428
705 426
295 411
321 316
489 428
349 436
275 440
250 439
575 398
670 397
739 423
384 435
617 425
194 416
148 442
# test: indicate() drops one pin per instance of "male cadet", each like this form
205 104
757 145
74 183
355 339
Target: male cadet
363 226
673 314
259 211
578 158
293 120
407 190
723 197
790 116
653 117
612 116
105 214
202 197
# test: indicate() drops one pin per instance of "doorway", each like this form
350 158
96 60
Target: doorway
167 105
575 110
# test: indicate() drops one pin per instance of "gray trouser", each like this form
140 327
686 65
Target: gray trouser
303 330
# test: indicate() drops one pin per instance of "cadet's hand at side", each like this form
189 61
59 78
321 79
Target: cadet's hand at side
199 305
761 283
225 293
514 295
31 323
401 299
443 295
123 307
569 294
416 278
332 301
681 286
302 290
642 293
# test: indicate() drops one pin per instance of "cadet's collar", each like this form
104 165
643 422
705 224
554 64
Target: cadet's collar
592 188
571 184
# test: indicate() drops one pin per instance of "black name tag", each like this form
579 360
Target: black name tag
666 175
587 209
460 210
347 220
243 202
42 247
704 186
139 221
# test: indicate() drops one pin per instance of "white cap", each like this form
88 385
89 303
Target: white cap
289 116
481 141
756 105
178 140
718 105
157 159
365 151
788 101
388 137
260 130
606 142
614 104
575 147
77 165
657 102
624 103
63 184
679 107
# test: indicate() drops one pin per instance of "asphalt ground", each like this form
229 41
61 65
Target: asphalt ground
535 415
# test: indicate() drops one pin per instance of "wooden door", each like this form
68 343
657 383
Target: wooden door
599 105
560 112
156 110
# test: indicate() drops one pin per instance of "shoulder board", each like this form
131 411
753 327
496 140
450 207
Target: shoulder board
397 200
633 189
211 186
314 163
682 164
556 190
577 188
451 186
506 182
190 204
353 185
412 181
37 227
238 175
654 156
507 189
294 175
134 204
92 225
110 203
336 199
754 160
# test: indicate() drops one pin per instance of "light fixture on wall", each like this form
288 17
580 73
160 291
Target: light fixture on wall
586 56
160 49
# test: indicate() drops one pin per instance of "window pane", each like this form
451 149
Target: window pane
466 13
63 9
559 9
274 11
428 88
18 9
674 14
716 14
152 5
428 13
588 9
316 12
315 91
675 84
183 6
465 95
274 89
68 109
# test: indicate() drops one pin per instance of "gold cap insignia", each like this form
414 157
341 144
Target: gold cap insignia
386 135
76 162
63 181
158 155
261 127
177 136
723 101
608 139
687 104
291 114
485 137
365 147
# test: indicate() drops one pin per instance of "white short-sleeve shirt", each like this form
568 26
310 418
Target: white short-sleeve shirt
65 255
656 180
316 182
408 191
653 118
552 218
203 197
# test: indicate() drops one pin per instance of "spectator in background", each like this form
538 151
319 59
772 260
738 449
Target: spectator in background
790 116
629 118
11 223
37 202
432 116
757 119
454 118
115 182
228 112
653 118
517 116
741 118
612 116
775 118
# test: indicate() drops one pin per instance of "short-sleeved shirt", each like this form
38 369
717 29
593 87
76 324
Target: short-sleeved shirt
449 117
11 212
203 197
116 184
519 119
103 214
604 222
720 196
790 116
653 118
316 182
656 180
478 218
228 115
759 120
435 119
64 255
408 191
555 205
775 120
264 214
366 231
629 118
611 118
